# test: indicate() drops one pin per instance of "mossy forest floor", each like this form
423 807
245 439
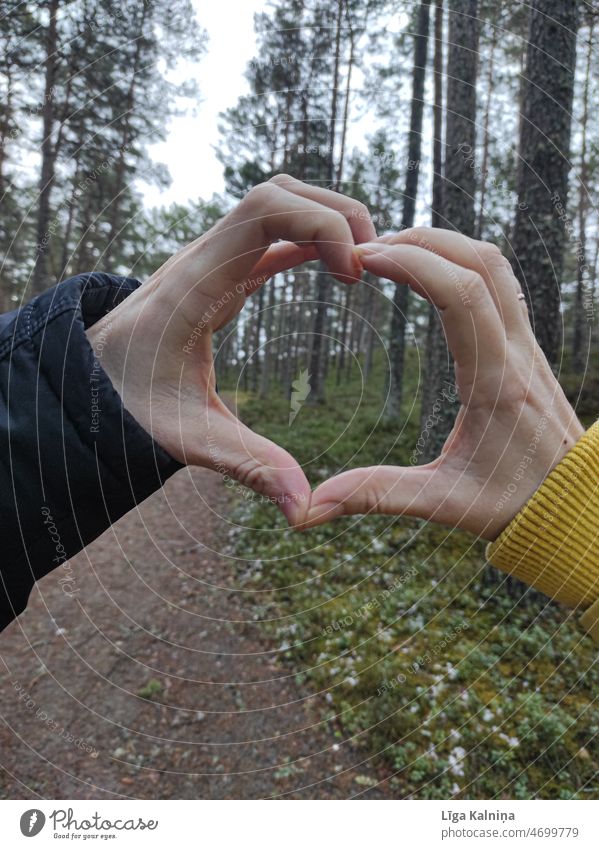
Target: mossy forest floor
458 683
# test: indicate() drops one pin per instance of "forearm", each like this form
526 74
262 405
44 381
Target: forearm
73 459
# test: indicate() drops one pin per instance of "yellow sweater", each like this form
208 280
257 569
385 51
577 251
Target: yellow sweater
553 542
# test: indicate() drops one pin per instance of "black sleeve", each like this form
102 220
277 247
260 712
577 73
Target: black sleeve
73 460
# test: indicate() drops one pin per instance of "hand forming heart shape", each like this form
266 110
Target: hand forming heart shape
157 350
157 344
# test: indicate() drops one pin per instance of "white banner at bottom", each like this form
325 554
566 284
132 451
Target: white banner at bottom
296 824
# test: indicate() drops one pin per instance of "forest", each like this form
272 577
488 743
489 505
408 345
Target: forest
471 115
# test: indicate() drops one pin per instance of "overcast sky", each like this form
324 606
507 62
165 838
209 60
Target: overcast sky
188 151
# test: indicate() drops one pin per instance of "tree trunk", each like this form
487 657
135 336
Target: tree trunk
437 201
40 277
350 67
353 350
580 337
114 218
256 353
268 324
6 119
347 306
73 205
486 137
399 312
317 357
435 340
457 206
319 340
371 330
539 232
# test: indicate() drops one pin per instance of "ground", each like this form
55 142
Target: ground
152 679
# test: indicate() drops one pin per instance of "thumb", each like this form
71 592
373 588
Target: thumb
256 462
279 257
392 490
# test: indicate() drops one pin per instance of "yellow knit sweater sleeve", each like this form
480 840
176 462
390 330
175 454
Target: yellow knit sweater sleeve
553 542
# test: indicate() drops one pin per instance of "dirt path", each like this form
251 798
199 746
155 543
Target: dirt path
157 612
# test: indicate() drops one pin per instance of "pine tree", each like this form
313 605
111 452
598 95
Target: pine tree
399 314
544 162
105 97
295 121
582 300
457 204
20 53
49 148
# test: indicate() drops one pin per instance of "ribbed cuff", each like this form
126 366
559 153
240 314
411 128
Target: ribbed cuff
553 542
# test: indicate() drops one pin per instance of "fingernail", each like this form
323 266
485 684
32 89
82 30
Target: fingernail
357 265
366 248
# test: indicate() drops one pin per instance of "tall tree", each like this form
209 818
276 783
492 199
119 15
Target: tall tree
49 150
20 54
486 134
580 335
399 313
437 188
295 120
544 163
457 207
105 94
318 354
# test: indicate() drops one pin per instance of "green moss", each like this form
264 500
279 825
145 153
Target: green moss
460 687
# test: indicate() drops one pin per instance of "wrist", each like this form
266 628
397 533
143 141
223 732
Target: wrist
145 360
125 345
547 439
552 543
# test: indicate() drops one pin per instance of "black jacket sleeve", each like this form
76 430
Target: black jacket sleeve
73 460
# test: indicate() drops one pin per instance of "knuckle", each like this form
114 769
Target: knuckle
259 195
282 180
489 249
251 474
418 235
471 288
360 210
514 392
330 221
490 255
371 497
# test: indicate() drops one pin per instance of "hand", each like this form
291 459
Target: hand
514 424
156 346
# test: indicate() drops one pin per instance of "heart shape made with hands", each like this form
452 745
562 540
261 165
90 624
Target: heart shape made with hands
157 350
157 343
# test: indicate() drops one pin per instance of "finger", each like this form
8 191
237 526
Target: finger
236 451
482 257
279 257
394 490
474 331
269 213
355 212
